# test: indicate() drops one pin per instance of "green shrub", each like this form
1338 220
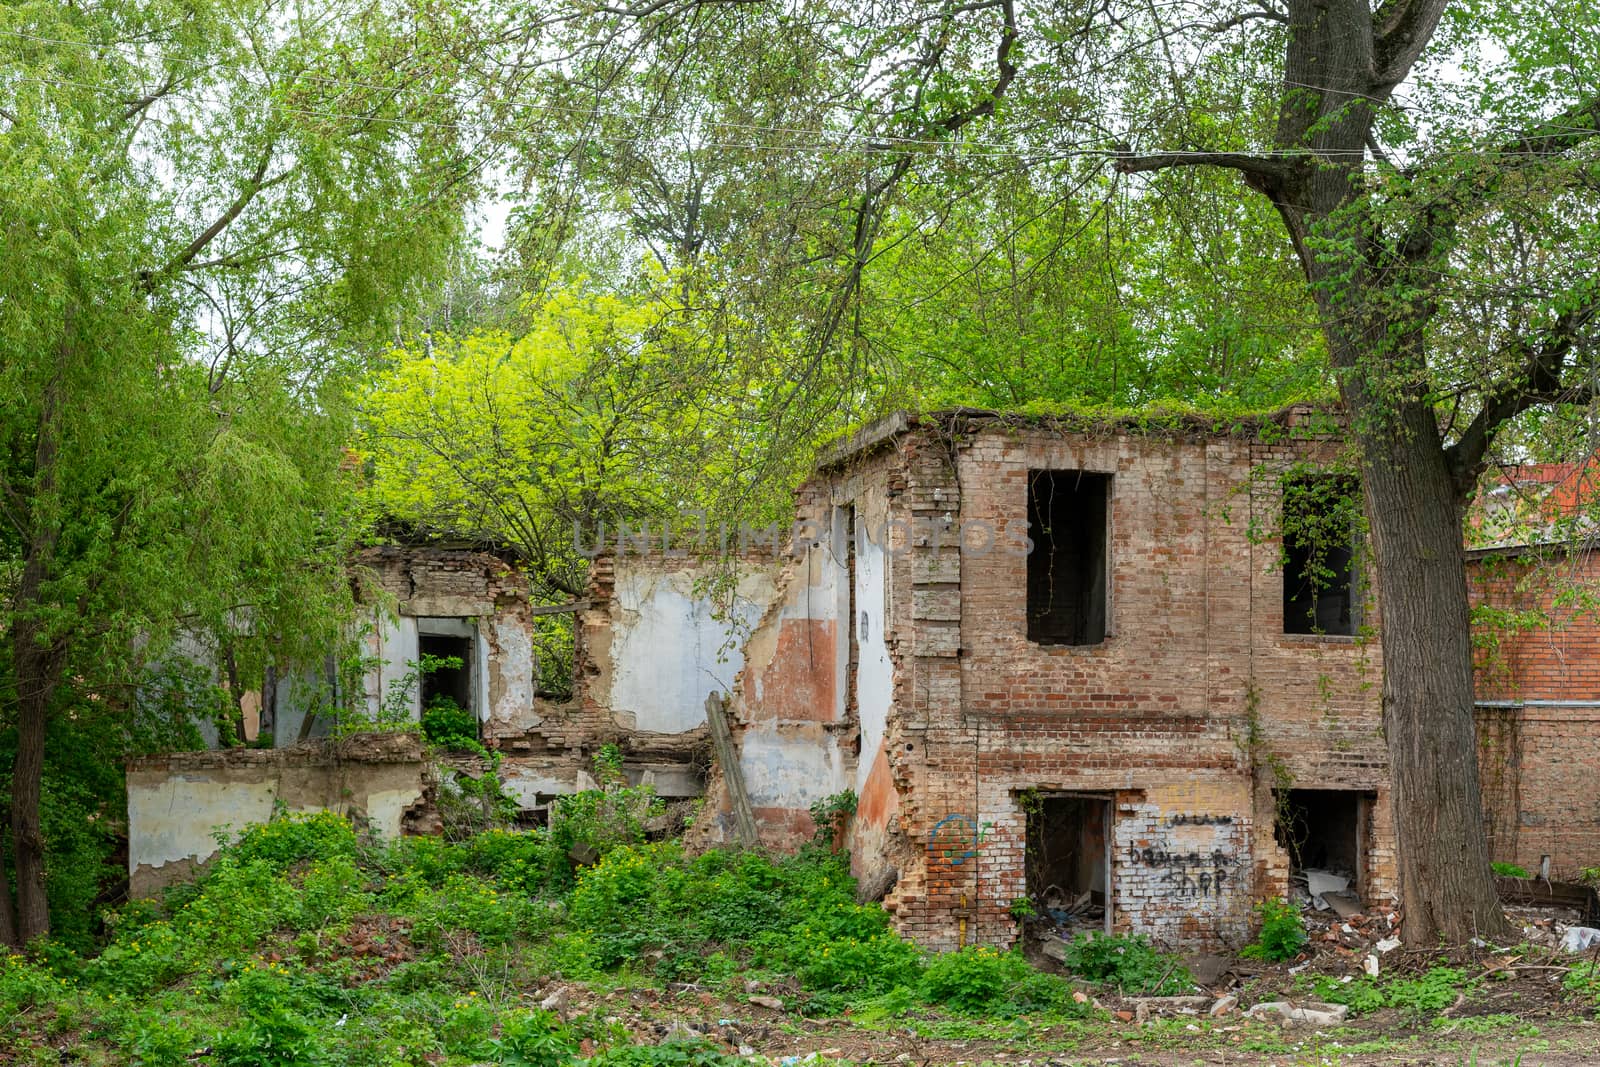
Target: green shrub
1509 870
516 860
666 1054
290 837
602 819
861 966
988 981
1128 962
534 1039
1283 932
450 726
24 984
1420 996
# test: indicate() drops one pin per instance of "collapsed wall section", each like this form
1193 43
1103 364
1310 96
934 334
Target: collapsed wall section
177 802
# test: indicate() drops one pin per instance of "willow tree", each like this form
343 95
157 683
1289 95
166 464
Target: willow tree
208 210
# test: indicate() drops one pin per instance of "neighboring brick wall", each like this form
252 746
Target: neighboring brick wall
1537 631
1158 717
1538 720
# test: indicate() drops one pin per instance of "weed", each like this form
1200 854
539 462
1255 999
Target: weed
1283 932
1128 962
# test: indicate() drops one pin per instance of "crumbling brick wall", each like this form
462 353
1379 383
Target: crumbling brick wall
1187 717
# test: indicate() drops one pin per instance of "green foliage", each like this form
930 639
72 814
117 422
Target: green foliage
1419 997
1583 980
1282 934
666 1054
190 278
1509 870
534 1039
987 981
830 813
1128 962
290 837
599 820
449 726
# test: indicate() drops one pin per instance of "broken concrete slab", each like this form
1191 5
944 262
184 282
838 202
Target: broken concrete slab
1307 1013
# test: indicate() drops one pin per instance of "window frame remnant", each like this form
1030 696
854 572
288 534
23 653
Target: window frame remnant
1068 588
1321 550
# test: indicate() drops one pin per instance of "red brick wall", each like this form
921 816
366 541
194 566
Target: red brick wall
1538 720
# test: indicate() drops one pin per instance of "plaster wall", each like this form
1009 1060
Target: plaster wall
177 802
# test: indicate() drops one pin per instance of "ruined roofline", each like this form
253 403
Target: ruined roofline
1300 421
1520 549
391 535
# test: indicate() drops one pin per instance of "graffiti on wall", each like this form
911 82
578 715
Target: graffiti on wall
1190 870
956 838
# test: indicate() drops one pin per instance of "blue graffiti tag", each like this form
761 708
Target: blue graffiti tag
955 837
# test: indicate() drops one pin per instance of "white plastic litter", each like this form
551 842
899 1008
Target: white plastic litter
1320 882
1580 938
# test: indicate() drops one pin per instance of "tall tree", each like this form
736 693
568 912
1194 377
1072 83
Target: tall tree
207 209
1393 251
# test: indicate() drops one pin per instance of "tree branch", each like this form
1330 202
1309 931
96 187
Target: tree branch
1263 10
1539 382
255 186
135 107
1400 30
1266 168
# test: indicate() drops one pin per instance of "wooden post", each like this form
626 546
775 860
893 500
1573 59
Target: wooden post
732 773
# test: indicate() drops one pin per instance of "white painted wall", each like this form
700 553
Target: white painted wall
874 673
669 649
785 770
394 643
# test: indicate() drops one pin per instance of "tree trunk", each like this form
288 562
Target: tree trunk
37 657
1446 885
8 914
38 673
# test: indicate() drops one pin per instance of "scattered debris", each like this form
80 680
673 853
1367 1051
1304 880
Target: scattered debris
1309 1013
1580 938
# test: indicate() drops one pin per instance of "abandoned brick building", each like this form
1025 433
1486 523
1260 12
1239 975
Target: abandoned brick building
1070 661
1140 715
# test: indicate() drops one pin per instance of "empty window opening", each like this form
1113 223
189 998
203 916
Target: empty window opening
1319 556
1324 832
1068 864
453 683
1067 512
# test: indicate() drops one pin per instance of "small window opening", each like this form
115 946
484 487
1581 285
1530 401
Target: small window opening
1323 830
447 683
1320 593
1068 864
1067 512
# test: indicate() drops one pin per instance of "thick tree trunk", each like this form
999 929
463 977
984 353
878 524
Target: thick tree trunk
37 657
1415 520
8 915
37 675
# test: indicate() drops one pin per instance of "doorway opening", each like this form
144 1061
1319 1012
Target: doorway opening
448 707
1325 833
1068 863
